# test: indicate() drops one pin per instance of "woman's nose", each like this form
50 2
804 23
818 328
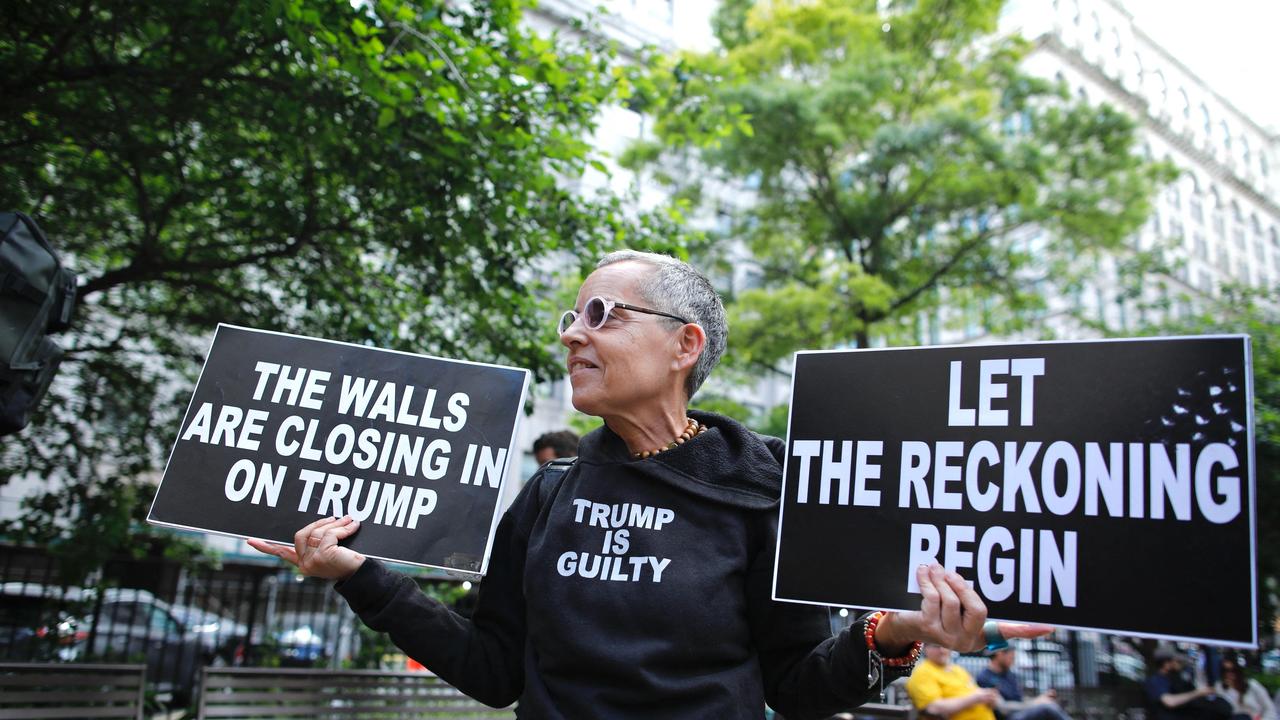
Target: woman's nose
574 334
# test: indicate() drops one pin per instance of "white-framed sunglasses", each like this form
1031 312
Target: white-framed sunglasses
596 311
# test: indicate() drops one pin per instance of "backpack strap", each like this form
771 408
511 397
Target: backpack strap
552 476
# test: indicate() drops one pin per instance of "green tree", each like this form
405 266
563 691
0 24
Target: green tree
896 160
386 172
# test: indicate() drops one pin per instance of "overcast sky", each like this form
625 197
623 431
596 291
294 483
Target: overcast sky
1233 45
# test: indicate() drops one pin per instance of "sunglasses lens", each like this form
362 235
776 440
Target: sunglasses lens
566 320
595 312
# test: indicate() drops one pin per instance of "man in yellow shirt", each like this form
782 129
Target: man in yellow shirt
939 688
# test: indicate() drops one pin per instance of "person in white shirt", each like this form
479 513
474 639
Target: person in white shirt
1247 696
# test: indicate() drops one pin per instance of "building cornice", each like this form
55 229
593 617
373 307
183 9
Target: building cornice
1139 108
1268 133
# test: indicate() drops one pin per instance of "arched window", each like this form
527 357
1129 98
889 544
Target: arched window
1115 44
1161 88
1097 26
1262 163
1196 203
1224 136
1219 221
1135 66
1246 155
1206 120
1185 101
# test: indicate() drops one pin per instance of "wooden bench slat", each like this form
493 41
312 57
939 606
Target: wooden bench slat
338 695
302 710
315 681
308 672
70 712
11 697
67 679
73 668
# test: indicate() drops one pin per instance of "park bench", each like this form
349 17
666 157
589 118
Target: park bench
71 690
882 710
245 693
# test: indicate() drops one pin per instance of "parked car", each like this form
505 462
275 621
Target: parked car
1040 664
223 637
1271 661
134 626
29 615
309 638
1124 663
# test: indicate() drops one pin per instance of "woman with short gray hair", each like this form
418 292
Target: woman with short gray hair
636 584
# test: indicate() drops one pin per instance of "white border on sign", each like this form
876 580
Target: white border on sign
1253 532
502 484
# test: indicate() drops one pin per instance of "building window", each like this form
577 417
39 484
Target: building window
1224 259
1224 134
1175 197
1201 246
1245 156
1175 228
1206 121
1219 224
1197 209
1185 101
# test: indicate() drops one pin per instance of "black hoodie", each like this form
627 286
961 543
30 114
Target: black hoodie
638 589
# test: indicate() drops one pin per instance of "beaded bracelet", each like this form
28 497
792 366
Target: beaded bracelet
905 661
876 663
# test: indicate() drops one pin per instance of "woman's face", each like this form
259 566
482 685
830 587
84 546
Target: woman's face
628 361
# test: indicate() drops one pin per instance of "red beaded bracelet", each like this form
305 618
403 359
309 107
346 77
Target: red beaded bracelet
904 661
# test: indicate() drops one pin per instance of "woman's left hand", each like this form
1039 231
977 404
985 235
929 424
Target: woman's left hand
951 615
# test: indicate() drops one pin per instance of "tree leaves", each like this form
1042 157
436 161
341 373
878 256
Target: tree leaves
904 141
382 172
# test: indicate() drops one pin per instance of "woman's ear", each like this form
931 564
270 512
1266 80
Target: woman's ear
690 342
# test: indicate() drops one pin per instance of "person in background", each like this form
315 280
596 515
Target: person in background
999 675
1172 696
1248 698
939 687
552 445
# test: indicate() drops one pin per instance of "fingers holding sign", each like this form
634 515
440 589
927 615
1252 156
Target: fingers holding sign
952 614
316 550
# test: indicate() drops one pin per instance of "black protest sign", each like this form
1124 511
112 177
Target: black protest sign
284 430
1097 485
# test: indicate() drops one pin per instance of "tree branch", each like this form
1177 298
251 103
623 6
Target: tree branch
940 271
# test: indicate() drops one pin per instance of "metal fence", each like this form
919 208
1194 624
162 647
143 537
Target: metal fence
177 621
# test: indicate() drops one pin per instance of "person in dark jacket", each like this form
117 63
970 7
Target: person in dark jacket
552 445
637 584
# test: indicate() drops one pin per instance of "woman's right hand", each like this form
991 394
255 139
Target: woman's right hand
316 551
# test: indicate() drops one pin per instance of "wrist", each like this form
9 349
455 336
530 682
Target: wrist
890 638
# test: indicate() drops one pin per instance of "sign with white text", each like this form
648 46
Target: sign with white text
283 430
1102 485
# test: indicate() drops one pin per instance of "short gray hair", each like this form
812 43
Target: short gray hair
676 287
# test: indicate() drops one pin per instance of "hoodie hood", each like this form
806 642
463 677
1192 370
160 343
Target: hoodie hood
727 464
